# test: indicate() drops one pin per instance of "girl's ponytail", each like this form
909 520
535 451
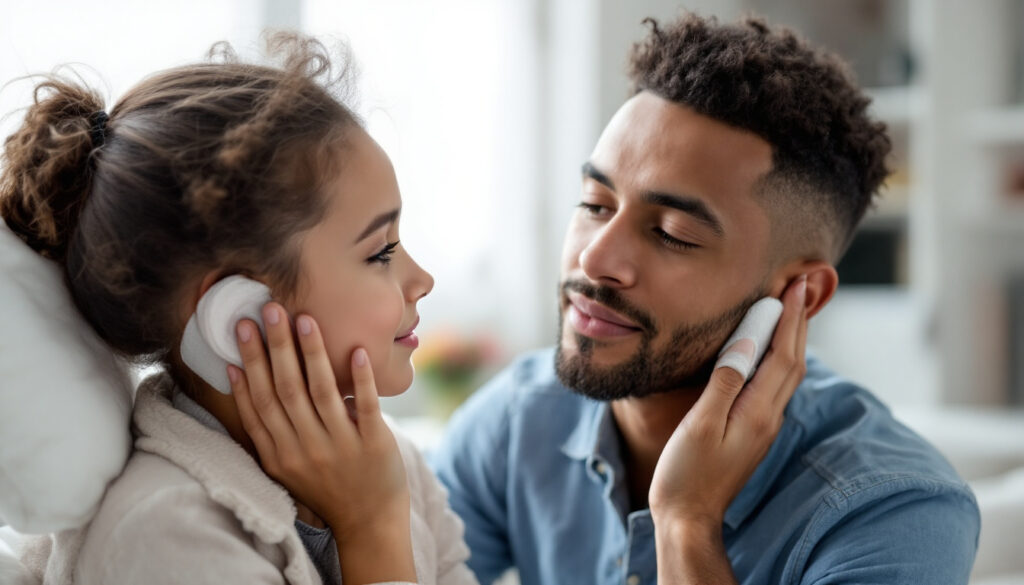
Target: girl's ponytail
48 165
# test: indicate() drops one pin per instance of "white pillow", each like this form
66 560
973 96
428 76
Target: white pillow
65 400
12 571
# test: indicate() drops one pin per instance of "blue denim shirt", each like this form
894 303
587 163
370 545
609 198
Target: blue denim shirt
846 494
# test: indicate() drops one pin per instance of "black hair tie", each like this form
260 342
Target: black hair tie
98 128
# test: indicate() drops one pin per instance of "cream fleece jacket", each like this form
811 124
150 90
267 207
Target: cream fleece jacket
192 506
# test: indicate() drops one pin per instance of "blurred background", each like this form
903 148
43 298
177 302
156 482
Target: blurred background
488 107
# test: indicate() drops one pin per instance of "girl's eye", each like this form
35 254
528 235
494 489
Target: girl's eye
673 242
384 256
591 208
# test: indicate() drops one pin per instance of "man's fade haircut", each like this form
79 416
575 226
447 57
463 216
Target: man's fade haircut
803 101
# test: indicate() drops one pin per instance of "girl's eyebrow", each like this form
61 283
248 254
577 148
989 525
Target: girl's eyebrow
378 222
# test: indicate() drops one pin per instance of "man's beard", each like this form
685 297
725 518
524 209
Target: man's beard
685 361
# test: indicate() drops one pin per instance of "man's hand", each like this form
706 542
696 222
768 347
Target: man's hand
716 448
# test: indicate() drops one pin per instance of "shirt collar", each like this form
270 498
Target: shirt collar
192 408
765 475
595 436
584 440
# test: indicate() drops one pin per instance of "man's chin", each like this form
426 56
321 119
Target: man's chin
613 373
600 350
598 357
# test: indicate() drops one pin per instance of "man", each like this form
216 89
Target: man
739 169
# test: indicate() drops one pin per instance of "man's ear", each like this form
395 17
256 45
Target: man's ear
822 281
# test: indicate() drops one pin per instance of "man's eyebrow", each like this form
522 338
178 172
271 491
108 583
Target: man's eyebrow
688 205
378 222
591 172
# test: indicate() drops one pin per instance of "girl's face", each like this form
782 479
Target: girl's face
359 283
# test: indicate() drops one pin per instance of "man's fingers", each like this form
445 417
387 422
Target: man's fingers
714 404
739 356
788 345
773 381
799 368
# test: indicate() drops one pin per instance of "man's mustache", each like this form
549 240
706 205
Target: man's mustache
612 299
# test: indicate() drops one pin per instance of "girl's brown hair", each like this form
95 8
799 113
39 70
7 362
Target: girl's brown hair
213 166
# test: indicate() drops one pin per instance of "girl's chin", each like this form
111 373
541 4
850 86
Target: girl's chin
397 383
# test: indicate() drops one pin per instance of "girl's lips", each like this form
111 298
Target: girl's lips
409 338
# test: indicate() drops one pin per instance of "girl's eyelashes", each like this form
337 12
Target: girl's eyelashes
591 208
384 256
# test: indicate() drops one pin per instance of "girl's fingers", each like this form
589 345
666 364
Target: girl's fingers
289 381
367 404
251 422
323 387
261 388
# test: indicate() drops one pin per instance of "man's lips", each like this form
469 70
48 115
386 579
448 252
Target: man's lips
595 320
598 311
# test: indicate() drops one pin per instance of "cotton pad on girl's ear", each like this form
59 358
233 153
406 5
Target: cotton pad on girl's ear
209 344
65 400
758 326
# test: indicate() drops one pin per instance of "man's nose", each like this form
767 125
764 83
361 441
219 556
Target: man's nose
610 256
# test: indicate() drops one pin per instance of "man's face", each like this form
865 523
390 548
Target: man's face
667 250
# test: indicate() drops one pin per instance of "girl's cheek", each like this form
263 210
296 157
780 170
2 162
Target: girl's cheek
373 325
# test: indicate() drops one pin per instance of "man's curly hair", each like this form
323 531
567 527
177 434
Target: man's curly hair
802 101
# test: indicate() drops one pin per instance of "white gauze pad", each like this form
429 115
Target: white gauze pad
209 344
758 326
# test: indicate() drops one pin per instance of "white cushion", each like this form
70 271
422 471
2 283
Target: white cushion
1001 500
979 442
12 572
65 401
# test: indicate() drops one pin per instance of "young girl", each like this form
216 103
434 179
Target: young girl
202 172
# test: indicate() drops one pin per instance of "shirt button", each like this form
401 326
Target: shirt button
633 580
600 467
618 561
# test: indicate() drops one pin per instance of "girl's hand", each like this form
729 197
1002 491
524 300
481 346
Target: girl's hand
348 473
721 441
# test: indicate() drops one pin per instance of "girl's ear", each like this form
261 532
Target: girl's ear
822 281
192 298
209 280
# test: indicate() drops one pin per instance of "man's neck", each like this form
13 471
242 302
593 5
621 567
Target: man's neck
645 425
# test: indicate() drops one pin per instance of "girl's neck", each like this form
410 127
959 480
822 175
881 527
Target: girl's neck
223 408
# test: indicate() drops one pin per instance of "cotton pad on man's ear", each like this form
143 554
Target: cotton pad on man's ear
757 326
65 400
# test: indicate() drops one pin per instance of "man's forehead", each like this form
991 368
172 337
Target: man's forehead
654 139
